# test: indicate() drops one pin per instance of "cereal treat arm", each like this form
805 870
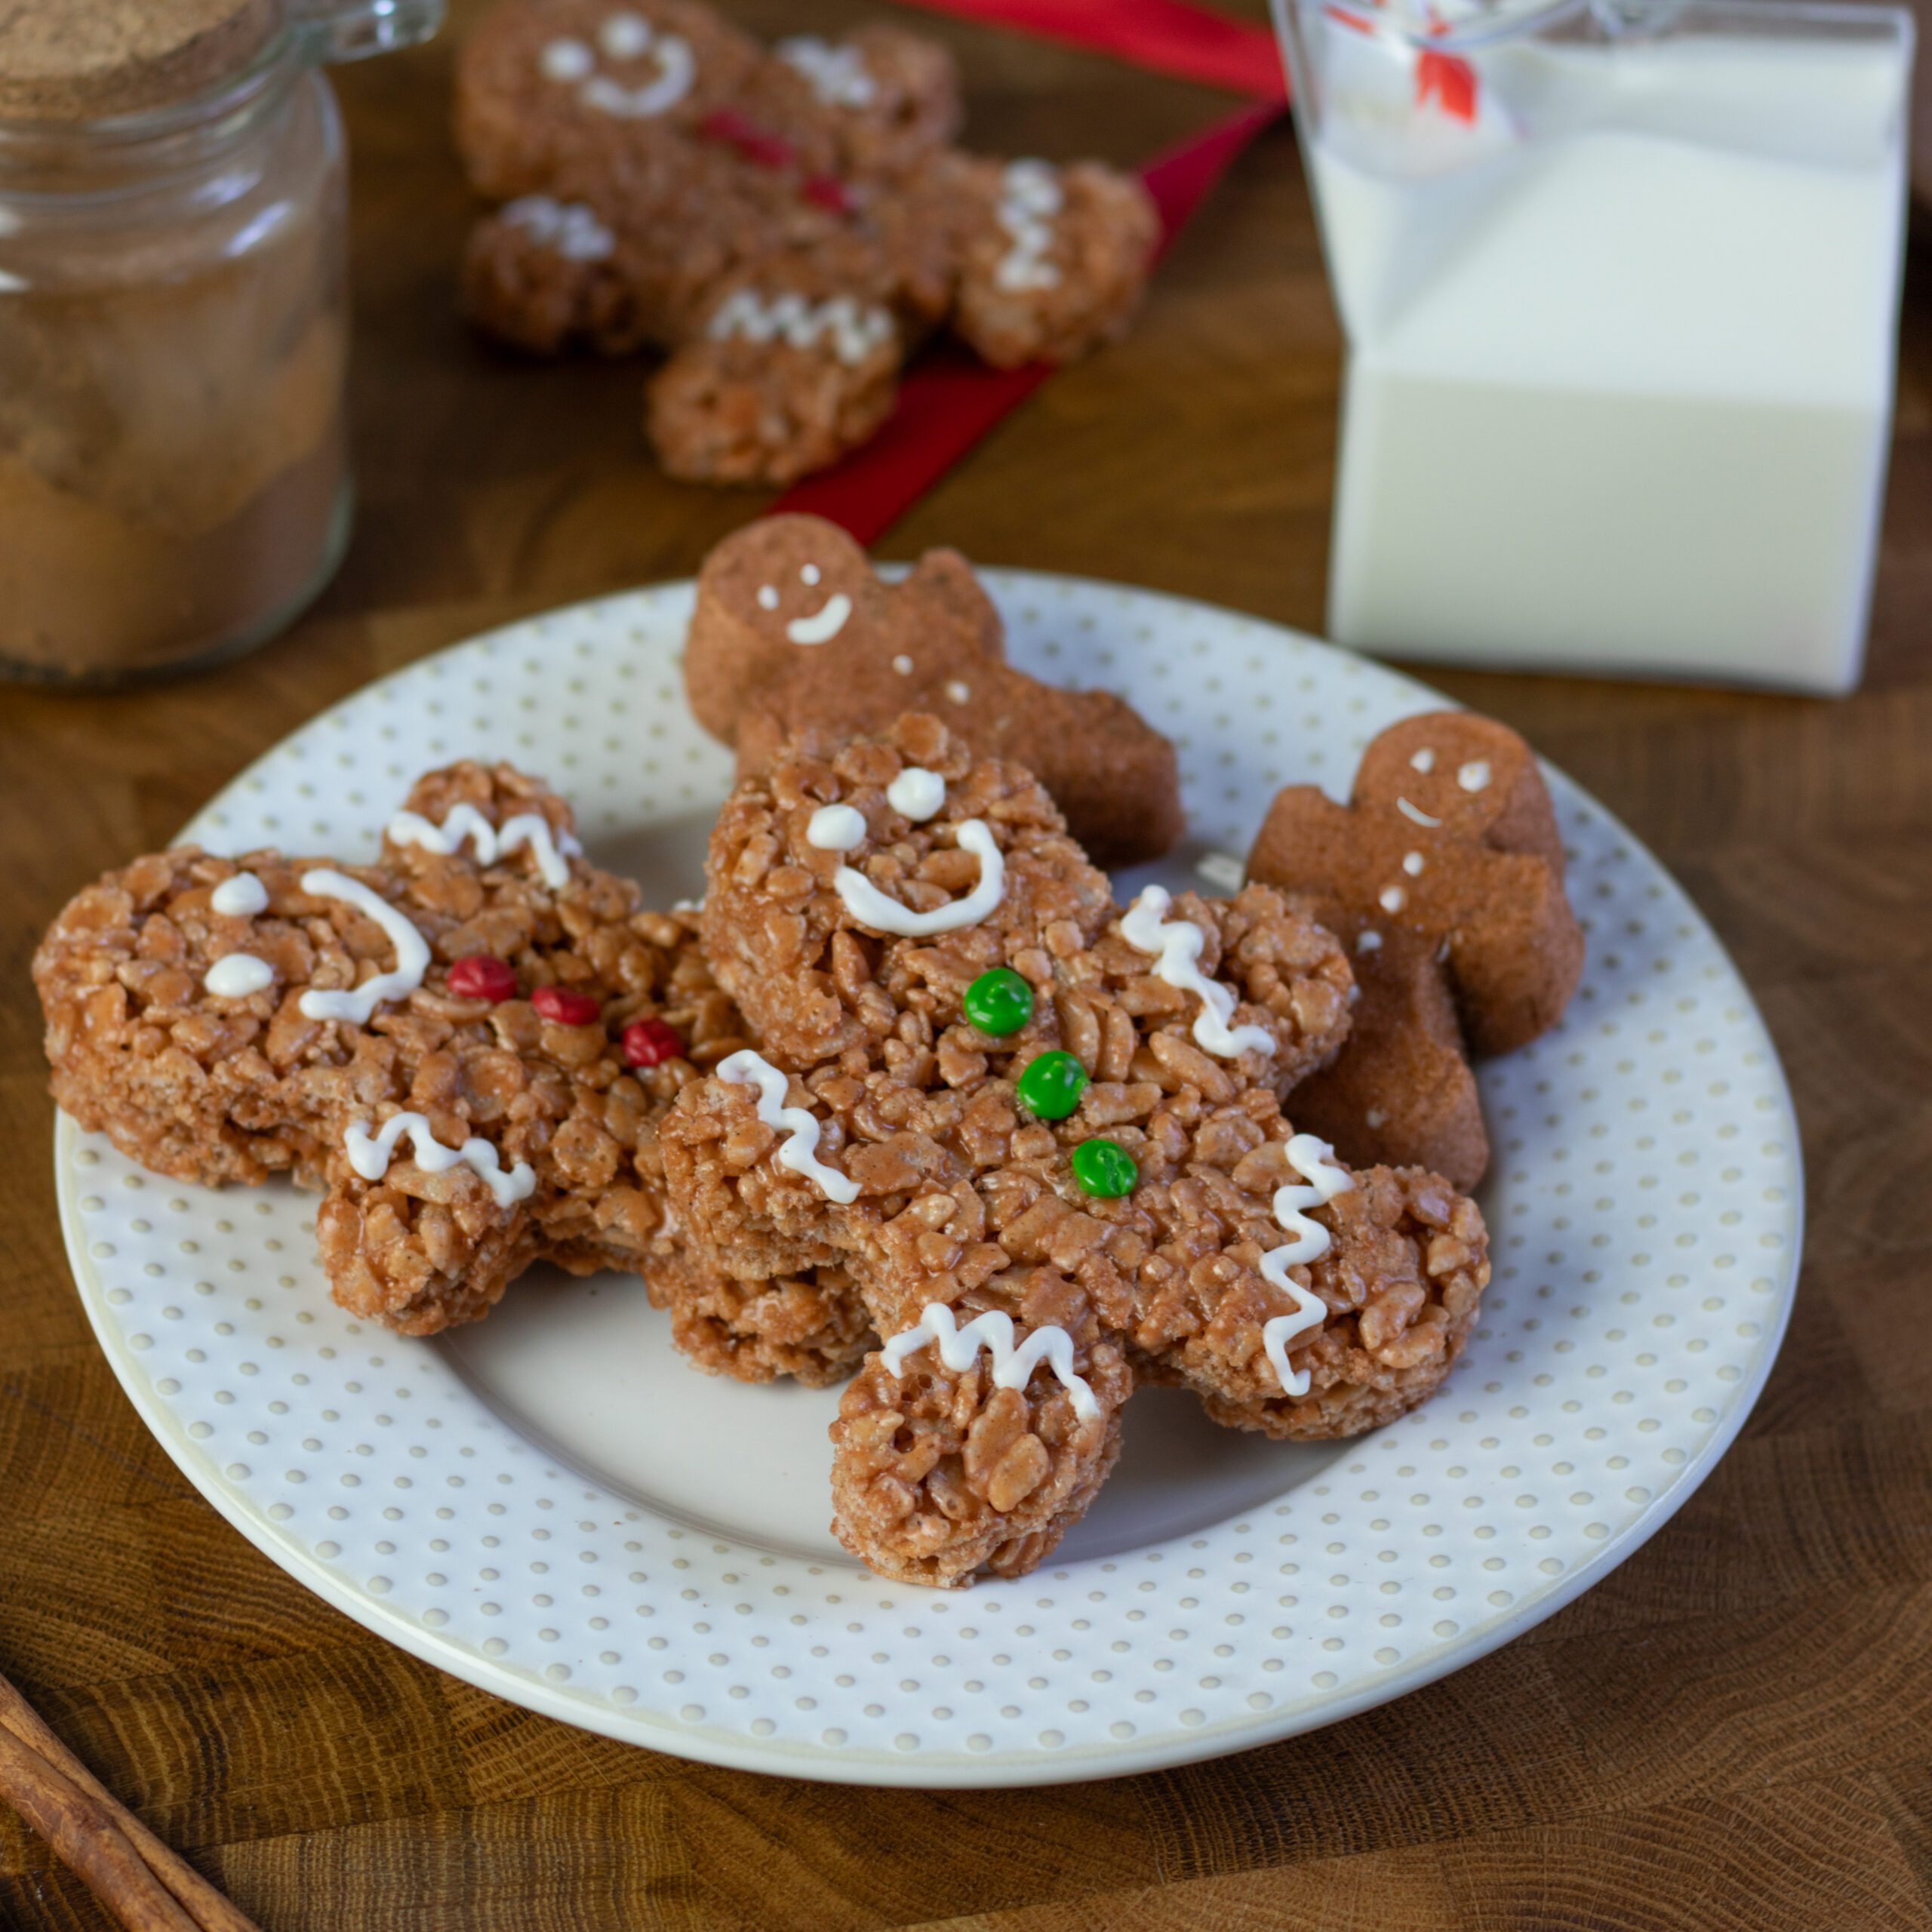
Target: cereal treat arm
794 631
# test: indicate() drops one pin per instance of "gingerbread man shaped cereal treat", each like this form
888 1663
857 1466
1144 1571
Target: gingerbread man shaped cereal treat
1045 1140
468 1043
1444 878
786 223
795 631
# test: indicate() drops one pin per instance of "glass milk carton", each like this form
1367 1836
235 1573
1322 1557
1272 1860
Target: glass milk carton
1620 283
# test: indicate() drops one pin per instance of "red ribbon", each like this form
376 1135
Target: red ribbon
948 401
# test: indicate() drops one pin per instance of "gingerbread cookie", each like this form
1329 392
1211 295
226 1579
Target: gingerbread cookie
1444 878
787 224
1046 1150
794 631
468 1043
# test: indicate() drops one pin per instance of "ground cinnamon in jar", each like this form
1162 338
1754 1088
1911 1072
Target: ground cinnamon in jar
173 479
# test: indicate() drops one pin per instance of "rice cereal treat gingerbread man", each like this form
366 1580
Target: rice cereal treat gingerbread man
1047 1156
1444 877
468 1043
795 631
786 223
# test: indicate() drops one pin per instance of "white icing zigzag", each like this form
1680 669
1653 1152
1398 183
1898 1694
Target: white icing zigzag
837 74
370 1155
570 229
993 1331
412 952
1146 926
551 852
800 1127
1030 196
1311 1159
856 329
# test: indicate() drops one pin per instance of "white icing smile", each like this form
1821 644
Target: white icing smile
1030 196
1146 926
1311 1159
412 952
824 624
800 1127
854 329
1415 814
569 229
241 897
1012 1367
837 74
623 36
551 852
840 828
370 1155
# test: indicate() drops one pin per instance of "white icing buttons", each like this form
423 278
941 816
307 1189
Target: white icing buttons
836 74
1012 1367
799 1126
1146 926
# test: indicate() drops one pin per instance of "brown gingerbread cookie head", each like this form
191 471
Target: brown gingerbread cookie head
795 631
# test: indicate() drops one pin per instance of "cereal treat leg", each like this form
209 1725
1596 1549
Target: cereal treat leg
1450 841
979 1433
1055 261
811 1326
792 364
794 631
470 1042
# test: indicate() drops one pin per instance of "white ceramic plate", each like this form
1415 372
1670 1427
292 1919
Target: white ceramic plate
553 1505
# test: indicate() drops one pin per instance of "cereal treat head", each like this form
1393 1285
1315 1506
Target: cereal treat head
451 1041
1477 779
794 630
826 871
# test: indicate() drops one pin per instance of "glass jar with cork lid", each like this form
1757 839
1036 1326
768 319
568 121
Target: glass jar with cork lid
174 481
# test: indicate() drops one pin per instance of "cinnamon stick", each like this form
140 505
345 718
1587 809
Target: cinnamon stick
40 1777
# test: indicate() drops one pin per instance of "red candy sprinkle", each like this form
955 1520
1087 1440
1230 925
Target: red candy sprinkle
650 1043
827 191
480 977
755 143
565 1008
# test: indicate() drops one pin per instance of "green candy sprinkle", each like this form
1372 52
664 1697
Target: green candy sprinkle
1105 1167
998 1002
1052 1085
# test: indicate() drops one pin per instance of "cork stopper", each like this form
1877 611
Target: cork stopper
82 59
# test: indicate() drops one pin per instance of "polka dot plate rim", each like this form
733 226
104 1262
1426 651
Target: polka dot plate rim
1646 1208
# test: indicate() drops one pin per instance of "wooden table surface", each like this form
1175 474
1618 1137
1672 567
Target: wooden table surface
1734 1730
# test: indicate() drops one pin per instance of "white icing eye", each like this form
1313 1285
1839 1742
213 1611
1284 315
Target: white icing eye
767 596
916 792
566 60
902 665
810 573
1474 776
1424 760
624 36
836 828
